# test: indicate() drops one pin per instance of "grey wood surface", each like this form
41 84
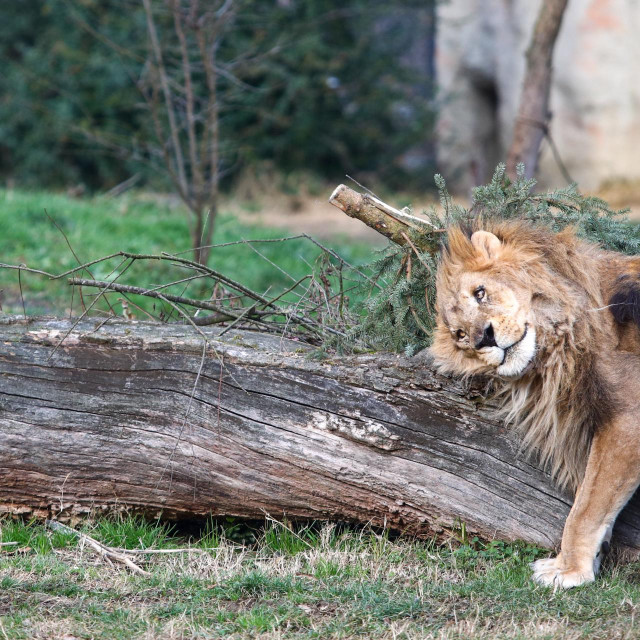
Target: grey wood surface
130 415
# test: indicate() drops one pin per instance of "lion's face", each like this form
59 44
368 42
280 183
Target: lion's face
485 321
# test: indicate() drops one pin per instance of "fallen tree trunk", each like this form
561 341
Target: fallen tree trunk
138 416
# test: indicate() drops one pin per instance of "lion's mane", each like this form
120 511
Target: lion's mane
557 405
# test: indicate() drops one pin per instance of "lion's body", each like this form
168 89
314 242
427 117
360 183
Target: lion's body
534 309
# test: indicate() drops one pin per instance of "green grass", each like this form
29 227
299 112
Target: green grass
131 532
294 581
140 224
274 581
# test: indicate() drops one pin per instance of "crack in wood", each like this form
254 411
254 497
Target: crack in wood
374 438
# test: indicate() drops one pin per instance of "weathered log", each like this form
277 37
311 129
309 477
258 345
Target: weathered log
130 415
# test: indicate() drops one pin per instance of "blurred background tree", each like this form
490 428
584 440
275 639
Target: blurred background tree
57 80
318 85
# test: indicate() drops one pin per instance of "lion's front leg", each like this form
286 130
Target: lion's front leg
611 477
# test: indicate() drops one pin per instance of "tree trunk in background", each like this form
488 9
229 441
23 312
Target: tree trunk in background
533 114
131 416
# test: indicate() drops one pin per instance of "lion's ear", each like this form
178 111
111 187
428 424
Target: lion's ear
487 244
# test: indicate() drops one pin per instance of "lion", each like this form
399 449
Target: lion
555 321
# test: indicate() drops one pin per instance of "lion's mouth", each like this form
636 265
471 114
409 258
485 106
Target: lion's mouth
506 350
518 357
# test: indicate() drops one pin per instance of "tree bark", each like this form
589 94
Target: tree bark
533 114
131 415
383 218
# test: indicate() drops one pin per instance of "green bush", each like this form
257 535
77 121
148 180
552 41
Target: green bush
308 84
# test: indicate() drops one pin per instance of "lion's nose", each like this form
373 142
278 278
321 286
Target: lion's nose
488 339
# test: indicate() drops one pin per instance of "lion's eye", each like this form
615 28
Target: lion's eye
460 334
480 294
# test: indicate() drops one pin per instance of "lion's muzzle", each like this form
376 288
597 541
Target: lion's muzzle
517 357
513 359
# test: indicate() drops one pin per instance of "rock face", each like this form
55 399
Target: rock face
595 96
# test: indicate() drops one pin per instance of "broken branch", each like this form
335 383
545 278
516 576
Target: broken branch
105 551
385 219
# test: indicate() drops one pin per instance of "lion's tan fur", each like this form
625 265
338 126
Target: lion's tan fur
556 321
550 404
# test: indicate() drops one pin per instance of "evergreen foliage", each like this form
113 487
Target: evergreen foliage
311 84
401 315
337 96
57 81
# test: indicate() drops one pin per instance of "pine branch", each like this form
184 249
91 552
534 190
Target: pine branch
401 313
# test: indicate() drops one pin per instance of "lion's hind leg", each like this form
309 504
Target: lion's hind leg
611 477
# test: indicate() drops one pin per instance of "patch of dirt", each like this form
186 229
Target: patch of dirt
238 606
6 605
298 214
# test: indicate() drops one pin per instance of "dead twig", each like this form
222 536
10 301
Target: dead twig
226 314
153 293
87 309
342 261
270 313
24 309
235 242
108 553
73 253
246 312
22 267
144 552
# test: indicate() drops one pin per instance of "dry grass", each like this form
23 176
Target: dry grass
314 582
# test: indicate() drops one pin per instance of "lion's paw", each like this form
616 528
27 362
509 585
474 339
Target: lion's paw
551 573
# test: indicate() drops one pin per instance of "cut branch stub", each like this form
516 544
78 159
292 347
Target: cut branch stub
390 222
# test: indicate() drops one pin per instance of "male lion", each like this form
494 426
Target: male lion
555 320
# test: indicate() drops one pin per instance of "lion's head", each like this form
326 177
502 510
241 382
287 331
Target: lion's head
486 321
526 305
